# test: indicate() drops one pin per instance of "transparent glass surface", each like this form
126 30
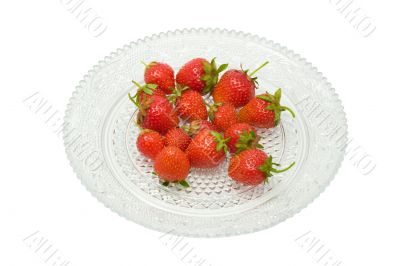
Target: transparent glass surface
100 135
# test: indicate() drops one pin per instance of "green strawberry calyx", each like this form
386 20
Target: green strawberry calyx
268 168
193 128
166 183
247 140
183 183
146 130
275 105
188 129
212 109
147 88
142 106
221 142
211 74
176 93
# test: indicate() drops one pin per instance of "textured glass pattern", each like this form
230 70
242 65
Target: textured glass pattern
101 114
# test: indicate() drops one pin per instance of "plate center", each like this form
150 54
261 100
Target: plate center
210 189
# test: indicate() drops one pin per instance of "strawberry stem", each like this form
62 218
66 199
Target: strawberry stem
149 64
267 168
258 68
285 108
145 65
282 170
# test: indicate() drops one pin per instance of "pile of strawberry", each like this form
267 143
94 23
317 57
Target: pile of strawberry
180 130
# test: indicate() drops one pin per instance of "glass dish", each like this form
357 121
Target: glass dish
100 134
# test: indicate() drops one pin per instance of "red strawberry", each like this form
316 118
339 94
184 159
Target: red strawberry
160 74
236 87
150 143
207 149
190 105
223 115
177 137
145 92
196 126
200 75
252 167
264 111
156 113
242 137
172 165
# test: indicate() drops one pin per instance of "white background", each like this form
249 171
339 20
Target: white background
45 49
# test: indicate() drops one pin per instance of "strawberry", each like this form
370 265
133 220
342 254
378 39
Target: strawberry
223 115
236 87
150 143
200 75
242 136
196 126
156 113
189 104
172 165
145 92
177 137
207 149
252 167
160 74
264 111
